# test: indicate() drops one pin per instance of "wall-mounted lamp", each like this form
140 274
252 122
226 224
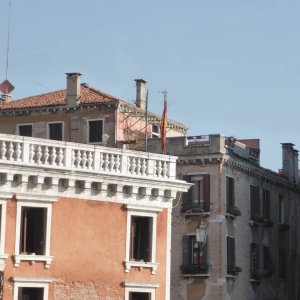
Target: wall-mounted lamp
201 233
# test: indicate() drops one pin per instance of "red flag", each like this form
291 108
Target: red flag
163 129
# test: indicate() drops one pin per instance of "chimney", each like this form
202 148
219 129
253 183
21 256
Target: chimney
289 164
73 89
6 98
141 93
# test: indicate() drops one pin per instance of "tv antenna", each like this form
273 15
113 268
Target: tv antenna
6 87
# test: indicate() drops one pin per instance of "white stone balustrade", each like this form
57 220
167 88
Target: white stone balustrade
30 151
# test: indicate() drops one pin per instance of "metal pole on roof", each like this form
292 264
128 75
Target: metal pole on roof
146 121
8 28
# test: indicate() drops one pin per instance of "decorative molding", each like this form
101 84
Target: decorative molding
140 265
32 259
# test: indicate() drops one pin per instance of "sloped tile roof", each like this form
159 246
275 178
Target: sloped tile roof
88 95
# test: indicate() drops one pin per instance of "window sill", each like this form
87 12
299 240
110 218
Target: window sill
32 258
232 277
255 281
140 264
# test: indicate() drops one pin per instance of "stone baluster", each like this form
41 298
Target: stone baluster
46 155
90 160
118 163
3 150
18 152
53 156
138 166
84 159
111 163
73 158
78 159
144 166
60 157
105 163
31 153
10 151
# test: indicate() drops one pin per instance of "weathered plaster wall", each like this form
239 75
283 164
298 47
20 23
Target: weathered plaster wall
88 248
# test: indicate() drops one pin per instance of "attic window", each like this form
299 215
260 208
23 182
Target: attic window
95 131
55 131
24 129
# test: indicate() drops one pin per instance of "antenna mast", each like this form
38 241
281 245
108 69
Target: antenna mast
6 87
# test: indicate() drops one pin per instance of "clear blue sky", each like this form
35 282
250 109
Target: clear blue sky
229 66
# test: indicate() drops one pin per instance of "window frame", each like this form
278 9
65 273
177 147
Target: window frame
3 256
62 129
230 192
230 254
255 209
24 124
140 287
140 211
46 258
281 210
31 282
88 131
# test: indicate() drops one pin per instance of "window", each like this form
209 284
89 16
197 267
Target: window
230 202
282 261
254 261
55 131
266 204
267 262
198 195
281 210
95 131
24 129
254 203
141 237
232 269
155 131
32 232
27 293
140 242
139 296
140 290
194 255
31 288
33 227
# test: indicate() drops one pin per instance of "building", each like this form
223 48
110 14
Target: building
80 220
83 114
236 233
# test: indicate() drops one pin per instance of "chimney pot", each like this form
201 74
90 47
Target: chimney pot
73 89
6 98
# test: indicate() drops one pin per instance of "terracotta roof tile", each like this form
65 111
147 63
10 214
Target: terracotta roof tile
89 95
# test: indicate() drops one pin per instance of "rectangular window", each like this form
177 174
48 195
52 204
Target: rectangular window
155 131
95 131
230 201
140 243
282 261
29 293
194 255
267 263
24 130
198 196
139 296
254 203
254 261
281 210
33 229
55 131
231 255
266 204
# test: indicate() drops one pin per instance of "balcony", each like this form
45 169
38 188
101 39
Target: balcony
194 269
198 207
47 166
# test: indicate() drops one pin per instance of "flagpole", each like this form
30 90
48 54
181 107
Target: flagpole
146 121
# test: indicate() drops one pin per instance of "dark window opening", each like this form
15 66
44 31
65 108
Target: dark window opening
155 131
95 131
33 230
254 203
139 296
254 262
194 255
266 204
267 262
56 131
230 201
141 238
282 263
280 210
198 196
27 293
25 130
231 268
